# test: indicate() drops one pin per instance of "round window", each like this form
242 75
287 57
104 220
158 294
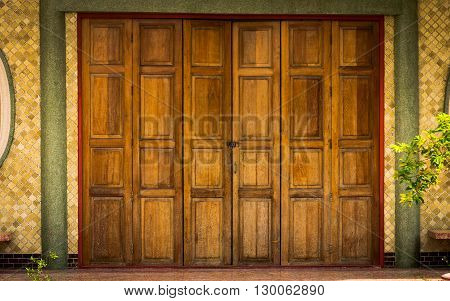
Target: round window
6 108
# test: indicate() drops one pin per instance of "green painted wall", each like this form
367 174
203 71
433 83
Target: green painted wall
406 58
380 7
53 133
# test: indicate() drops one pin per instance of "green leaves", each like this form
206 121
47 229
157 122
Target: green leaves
38 274
423 159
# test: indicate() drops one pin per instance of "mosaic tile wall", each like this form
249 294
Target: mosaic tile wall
434 59
72 132
389 136
20 174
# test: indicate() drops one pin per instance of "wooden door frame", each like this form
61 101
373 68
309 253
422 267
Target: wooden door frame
379 19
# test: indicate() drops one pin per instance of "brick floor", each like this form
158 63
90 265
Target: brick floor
286 274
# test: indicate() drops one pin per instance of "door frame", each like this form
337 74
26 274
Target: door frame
379 19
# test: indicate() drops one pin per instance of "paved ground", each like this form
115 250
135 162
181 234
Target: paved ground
287 274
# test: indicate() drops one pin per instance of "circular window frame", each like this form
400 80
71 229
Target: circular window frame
447 94
7 93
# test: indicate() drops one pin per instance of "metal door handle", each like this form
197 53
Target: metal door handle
232 144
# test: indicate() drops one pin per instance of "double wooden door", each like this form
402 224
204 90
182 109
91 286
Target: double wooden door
220 143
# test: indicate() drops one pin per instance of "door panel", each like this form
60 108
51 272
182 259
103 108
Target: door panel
305 142
355 208
106 77
157 148
207 129
256 102
157 229
107 221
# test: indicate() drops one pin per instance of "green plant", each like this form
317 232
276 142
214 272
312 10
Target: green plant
424 158
37 273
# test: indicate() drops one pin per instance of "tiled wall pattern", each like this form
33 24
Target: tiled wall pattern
389 136
72 131
434 59
20 174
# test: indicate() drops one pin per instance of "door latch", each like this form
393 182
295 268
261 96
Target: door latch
231 144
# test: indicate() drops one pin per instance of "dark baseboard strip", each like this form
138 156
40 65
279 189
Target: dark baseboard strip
427 259
21 261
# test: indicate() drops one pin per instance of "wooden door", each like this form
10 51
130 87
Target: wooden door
157 138
140 76
256 130
330 143
107 205
207 129
306 166
355 132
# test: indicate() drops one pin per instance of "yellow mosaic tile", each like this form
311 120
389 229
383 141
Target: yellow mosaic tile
20 174
72 132
434 59
389 136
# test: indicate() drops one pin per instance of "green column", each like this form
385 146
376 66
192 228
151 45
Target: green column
407 219
53 133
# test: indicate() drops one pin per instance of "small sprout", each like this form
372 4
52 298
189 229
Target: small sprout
37 273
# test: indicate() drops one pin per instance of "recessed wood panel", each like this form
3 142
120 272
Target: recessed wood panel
355 167
306 168
207 97
255 168
106 44
207 46
356 107
207 229
305 46
255 47
255 107
255 227
207 168
156 168
156 108
355 231
306 107
157 229
157 45
107 229
106 105
107 167
305 223
356 45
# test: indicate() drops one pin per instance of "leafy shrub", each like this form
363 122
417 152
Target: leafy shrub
424 158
